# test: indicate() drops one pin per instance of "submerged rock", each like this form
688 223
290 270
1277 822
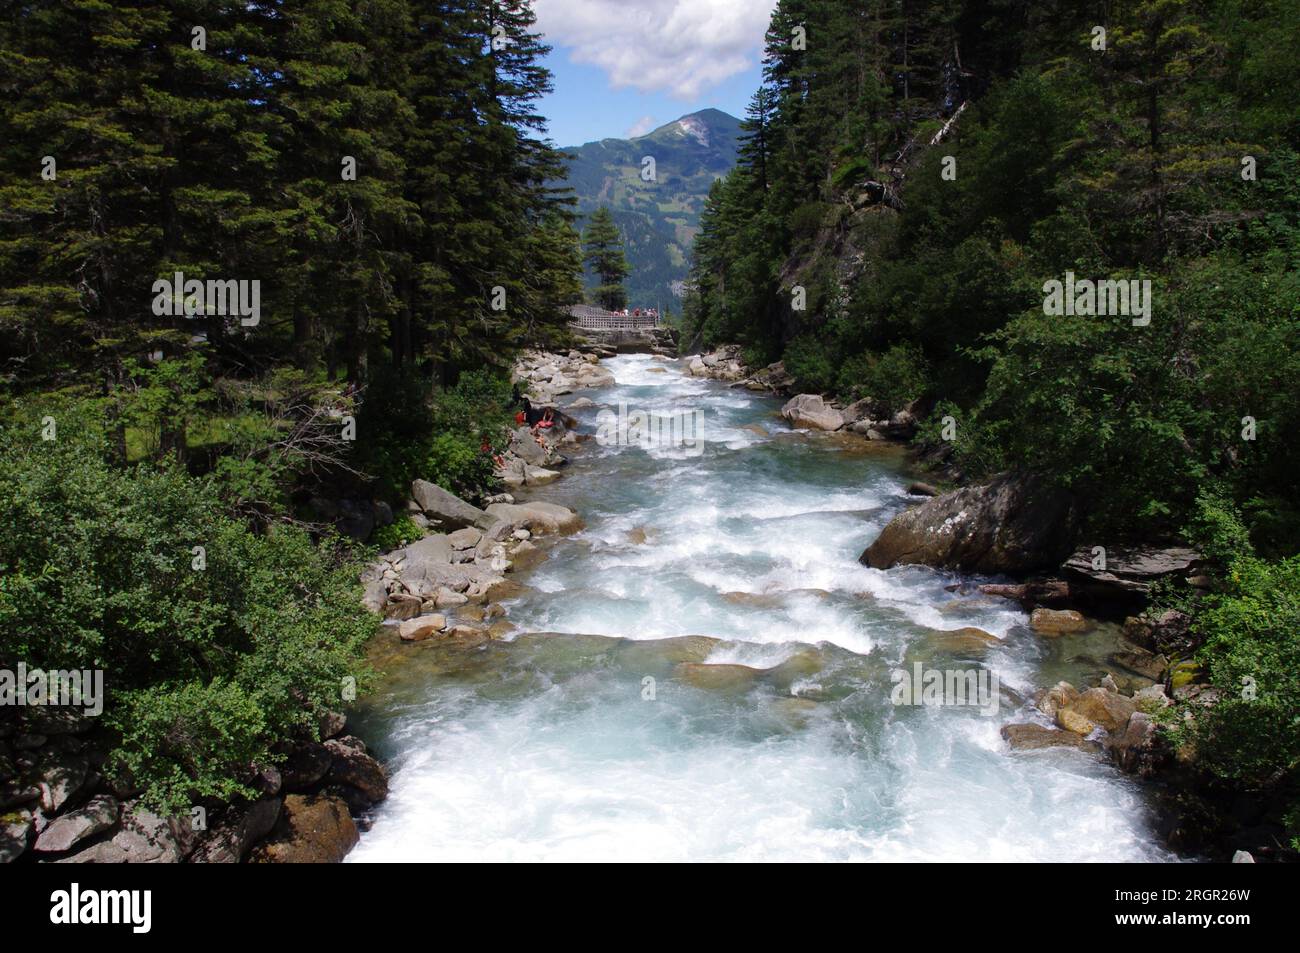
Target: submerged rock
1031 737
1057 621
716 677
969 639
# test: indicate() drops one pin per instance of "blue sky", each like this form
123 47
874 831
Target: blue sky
624 67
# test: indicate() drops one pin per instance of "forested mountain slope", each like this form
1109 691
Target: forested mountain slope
658 218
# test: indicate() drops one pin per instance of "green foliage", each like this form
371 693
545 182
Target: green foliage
1252 655
603 248
806 361
894 378
400 532
1123 166
205 668
406 434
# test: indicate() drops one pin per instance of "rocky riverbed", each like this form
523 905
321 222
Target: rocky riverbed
702 629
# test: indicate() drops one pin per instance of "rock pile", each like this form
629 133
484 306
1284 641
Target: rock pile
56 805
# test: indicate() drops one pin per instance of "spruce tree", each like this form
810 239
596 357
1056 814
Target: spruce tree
604 256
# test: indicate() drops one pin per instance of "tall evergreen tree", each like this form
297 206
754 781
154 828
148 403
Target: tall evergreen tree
603 248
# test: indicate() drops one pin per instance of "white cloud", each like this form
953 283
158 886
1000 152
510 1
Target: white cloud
640 127
682 47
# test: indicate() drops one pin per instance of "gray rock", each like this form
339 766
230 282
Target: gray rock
64 833
526 448
466 538
375 596
358 770
305 767
537 516
809 410
1129 573
15 792
60 776
143 838
447 507
1014 524
242 827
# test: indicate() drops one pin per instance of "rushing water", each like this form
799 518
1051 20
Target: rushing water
596 735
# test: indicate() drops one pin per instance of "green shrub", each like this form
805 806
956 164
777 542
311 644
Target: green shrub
894 378
396 534
206 665
1251 655
404 434
806 360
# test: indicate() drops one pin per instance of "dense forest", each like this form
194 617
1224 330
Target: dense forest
255 259
912 176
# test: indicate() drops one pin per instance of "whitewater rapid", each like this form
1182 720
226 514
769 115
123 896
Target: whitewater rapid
600 733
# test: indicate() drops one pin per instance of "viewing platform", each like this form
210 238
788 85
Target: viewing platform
590 318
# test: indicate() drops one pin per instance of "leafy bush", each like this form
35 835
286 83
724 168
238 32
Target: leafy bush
893 378
806 361
405 434
209 657
1251 655
396 534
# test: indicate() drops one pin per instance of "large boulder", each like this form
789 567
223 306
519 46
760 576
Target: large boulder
313 829
1015 524
1128 574
809 410
537 516
1109 709
437 503
230 840
351 765
524 445
143 837
99 814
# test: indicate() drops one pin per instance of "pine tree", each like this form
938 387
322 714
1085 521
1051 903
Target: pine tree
604 256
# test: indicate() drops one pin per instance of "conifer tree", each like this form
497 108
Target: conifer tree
604 256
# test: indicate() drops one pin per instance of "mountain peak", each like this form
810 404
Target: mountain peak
701 126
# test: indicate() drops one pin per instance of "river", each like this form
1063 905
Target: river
596 734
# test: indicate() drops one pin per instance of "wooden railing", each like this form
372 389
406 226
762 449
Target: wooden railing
590 318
